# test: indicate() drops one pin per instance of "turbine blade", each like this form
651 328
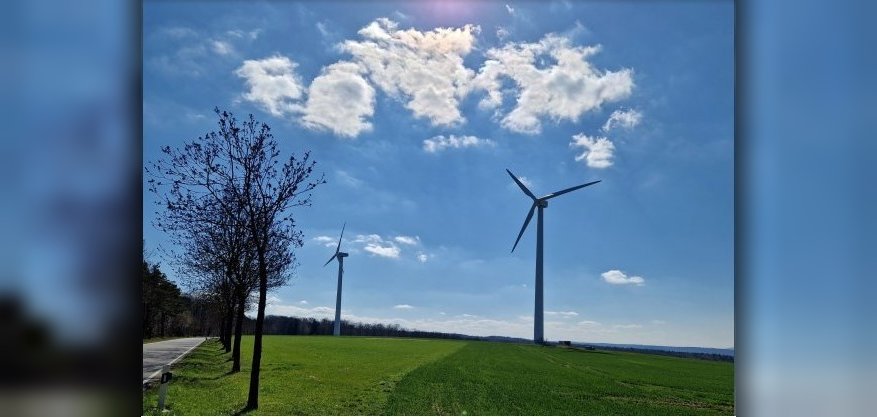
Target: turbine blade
526 222
339 239
520 184
330 259
555 194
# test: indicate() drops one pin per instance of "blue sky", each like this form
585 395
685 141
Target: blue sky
414 111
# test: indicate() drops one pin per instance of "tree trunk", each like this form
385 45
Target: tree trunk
253 398
229 323
238 330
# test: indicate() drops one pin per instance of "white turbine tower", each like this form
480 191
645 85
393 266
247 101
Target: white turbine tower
539 203
340 256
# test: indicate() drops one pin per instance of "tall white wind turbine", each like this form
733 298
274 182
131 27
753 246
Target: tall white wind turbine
340 256
539 203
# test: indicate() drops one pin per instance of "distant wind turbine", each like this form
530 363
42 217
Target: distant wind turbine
540 203
340 256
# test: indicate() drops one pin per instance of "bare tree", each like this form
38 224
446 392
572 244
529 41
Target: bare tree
232 179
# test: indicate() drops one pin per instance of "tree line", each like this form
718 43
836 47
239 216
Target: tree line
288 325
169 312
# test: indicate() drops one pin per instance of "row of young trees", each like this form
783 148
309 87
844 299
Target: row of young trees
226 201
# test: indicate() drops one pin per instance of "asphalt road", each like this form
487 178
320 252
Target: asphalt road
166 352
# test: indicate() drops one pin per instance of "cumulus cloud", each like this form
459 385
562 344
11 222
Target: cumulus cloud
422 69
598 151
554 80
376 245
340 101
622 118
423 257
403 307
408 240
616 277
441 142
273 84
383 251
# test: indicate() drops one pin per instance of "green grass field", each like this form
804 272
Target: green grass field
360 375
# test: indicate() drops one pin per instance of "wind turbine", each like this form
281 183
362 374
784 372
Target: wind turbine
539 203
340 256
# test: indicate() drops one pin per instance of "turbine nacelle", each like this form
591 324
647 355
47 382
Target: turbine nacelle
338 254
540 202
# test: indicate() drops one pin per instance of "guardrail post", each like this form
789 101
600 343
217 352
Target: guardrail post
162 389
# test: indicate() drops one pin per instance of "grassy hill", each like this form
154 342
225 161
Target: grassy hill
362 375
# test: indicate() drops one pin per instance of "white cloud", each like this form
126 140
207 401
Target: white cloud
563 314
403 307
598 151
408 240
510 9
376 245
441 142
326 241
589 323
272 83
383 251
222 47
553 79
616 277
622 118
502 33
340 101
422 257
304 302
423 69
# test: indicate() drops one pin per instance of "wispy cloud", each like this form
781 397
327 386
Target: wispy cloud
376 245
423 257
403 307
326 241
439 143
616 277
622 118
562 314
598 151
407 240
